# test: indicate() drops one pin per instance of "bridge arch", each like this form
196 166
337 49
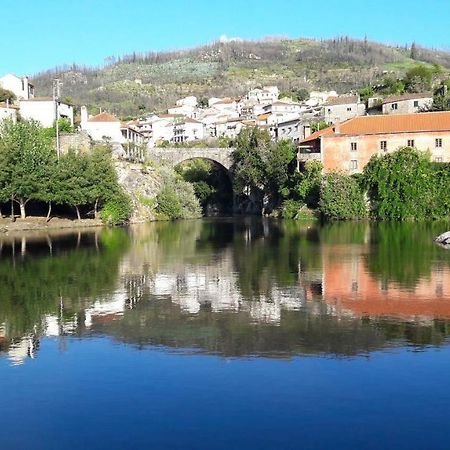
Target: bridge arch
174 156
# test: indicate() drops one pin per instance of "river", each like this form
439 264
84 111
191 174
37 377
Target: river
226 334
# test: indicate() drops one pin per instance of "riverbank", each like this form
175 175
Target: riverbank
40 223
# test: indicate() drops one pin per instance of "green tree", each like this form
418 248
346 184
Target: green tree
279 164
341 198
248 160
399 184
6 95
26 163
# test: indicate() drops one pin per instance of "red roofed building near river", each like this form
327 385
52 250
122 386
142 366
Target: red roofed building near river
348 146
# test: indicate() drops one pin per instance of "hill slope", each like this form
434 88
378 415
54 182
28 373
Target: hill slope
148 82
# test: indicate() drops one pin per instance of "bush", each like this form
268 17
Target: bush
169 204
292 209
341 198
405 185
117 209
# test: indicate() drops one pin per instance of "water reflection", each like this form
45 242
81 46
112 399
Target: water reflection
231 287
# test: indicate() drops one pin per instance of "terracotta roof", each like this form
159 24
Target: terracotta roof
224 101
189 120
347 100
399 98
387 124
103 117
263 116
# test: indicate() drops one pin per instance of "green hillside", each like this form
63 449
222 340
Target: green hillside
140 83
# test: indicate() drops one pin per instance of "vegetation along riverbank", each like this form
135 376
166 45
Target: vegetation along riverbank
90 188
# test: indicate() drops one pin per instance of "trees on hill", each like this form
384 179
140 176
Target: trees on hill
30 171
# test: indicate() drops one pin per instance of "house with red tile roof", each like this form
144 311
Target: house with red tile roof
407 103
348 146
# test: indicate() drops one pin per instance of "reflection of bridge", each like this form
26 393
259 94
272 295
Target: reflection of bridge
174 156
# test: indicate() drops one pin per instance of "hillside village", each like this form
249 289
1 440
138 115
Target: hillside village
216 122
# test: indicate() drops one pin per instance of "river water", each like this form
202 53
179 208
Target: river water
226 334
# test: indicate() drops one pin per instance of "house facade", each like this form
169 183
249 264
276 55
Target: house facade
45 110
19 86
407 104
340 109
102 127
349 146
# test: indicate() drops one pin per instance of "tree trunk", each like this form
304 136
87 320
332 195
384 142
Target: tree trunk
96 209
1 214
22 204
49 211
78 212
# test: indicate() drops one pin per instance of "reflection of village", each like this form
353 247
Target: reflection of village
340 285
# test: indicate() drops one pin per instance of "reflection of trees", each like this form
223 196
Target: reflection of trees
404 253
35 284
161 322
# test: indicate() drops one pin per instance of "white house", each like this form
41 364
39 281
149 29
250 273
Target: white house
19 86
45 110
102 126
188 101
339 109
283 107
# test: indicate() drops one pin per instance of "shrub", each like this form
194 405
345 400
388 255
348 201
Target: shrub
404 185
117 209
341 198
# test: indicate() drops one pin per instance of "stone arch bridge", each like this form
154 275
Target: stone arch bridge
174 156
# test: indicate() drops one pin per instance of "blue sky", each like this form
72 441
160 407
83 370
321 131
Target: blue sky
40 34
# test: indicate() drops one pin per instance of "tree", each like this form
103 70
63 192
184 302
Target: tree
6 95
398 184
102 177
72 186
279 163
26 161
341 198
248 161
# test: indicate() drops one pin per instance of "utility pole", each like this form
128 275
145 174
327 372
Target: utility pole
56 94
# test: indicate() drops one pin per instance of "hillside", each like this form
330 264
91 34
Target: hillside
140 83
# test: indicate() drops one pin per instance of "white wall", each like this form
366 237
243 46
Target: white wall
45 111
8 113
19 86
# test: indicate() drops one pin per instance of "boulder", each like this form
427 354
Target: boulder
443 239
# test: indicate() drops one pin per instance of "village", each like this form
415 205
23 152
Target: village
341 131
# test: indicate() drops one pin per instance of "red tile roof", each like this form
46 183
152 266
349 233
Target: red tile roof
387 124
349 100
399 98
103 117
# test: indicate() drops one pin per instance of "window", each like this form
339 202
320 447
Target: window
353 146
438 159
383 145
439 142
394 106
410 142
329 110
416 103
353 164
349 108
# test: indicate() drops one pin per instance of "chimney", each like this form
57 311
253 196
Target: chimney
306 131
84 115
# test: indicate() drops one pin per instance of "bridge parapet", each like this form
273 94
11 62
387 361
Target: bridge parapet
176 155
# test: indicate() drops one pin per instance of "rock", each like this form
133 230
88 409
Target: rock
443 239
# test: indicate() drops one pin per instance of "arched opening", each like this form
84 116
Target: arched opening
212 184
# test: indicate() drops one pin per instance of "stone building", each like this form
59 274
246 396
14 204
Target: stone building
407 103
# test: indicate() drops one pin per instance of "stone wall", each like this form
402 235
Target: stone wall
81 142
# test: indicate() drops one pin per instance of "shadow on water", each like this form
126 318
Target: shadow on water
231 287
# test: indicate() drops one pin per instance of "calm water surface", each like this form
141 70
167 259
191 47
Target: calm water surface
226 334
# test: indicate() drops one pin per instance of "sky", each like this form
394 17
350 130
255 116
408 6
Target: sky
41 34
